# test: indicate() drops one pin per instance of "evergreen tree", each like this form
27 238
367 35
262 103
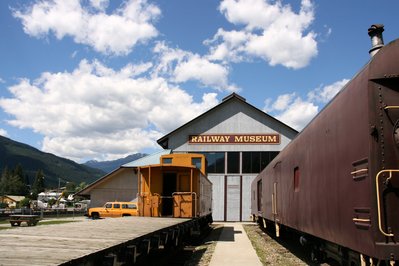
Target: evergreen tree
70 187
16 182
38 184
4 185
81 186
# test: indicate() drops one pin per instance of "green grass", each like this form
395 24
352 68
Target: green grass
55 222
42 222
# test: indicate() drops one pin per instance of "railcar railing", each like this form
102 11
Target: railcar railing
390 171
193 199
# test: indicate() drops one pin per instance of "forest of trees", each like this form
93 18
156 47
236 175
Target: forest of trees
15 182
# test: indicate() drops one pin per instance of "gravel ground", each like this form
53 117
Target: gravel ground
202 254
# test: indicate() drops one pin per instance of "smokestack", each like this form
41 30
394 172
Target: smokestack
375 33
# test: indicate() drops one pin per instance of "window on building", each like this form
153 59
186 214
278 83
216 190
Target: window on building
215 162
233 162
296 179
255 162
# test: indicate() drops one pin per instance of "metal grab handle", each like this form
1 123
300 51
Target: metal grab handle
361 220
365 170
378 197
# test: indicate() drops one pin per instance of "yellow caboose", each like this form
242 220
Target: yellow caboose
176 187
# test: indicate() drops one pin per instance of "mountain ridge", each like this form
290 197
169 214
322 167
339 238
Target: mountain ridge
55 169
109 166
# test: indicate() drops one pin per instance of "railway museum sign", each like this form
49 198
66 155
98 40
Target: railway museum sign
235 139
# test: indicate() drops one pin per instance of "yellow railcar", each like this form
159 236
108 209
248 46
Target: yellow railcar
176 187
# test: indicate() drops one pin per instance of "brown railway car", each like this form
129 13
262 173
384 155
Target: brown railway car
176 187
337 183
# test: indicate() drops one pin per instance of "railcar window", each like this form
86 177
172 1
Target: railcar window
196 162
296 179
166 160
233 162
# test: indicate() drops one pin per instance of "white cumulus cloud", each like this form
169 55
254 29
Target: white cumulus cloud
97 112
115 33
297 112
326 93
271 31
181 66
3 132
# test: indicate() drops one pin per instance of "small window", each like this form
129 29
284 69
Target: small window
117 206
129 206
196 162
108 205
296 179
166 160
132 206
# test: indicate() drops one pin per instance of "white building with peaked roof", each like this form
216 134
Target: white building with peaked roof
238 140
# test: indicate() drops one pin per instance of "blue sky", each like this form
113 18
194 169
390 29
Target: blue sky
98 79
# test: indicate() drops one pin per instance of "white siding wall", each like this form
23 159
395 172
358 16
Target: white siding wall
232 119
246 196
217 196
233 198
121 186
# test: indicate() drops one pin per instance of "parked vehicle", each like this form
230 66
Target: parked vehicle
114 209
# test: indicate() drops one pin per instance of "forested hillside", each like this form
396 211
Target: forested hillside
55 169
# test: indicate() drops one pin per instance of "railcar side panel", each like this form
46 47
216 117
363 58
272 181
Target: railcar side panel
326 182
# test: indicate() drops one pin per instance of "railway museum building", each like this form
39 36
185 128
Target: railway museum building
238 140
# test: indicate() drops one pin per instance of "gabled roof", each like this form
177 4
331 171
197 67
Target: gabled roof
14 198
163 142
149 159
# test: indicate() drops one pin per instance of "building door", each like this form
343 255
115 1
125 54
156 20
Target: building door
233 198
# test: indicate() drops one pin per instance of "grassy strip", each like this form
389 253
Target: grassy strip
269 251
45 222
55 222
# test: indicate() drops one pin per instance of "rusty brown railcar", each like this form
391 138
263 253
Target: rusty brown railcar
176 187
337 183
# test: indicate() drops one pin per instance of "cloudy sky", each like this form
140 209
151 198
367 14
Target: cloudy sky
100 79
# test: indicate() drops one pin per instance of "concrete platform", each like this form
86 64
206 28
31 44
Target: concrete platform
234 248
63 243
